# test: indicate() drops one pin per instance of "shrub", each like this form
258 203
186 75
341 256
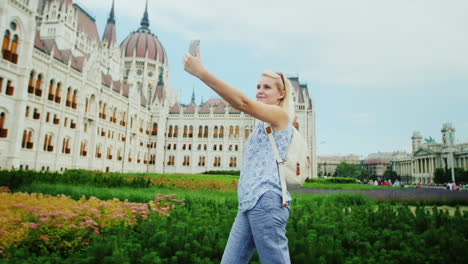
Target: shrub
227 172
332 180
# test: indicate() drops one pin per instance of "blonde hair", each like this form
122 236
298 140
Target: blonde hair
286 102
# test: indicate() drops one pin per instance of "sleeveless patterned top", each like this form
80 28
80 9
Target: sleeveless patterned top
259 172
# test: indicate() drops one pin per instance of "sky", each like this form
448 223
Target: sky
377 70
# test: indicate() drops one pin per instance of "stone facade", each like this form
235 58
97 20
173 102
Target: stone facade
419 166
71 99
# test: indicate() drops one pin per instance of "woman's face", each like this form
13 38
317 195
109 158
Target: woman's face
268 92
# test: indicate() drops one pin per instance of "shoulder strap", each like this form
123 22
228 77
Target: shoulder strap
279 161
269 132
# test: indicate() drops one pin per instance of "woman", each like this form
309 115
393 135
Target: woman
261 220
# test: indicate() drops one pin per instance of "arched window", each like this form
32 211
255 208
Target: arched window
68 101
170 131
6 45
217 162
51 90
190 134
83 149
185 132
237 131
31 83
119 154
186 161
215 132
3 130
233 162
201 161
171 160
48 143
124 119
221 132
200 131
231 131
155 129
109 152
176 131
27 139
66 145
205 133
58 91
75 94
98 151
14 48
39 83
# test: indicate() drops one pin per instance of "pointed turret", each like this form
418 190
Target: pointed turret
193 96
109 36
145 20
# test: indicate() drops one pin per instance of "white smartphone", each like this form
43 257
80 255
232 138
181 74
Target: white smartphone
193 47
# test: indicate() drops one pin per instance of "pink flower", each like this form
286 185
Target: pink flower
43 220
93 210
33 225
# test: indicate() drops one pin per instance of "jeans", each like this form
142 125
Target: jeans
262 228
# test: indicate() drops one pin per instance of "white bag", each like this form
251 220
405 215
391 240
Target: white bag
295 169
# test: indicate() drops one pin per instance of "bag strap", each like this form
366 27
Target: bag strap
279 161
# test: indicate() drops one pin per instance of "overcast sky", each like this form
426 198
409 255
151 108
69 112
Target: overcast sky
377 70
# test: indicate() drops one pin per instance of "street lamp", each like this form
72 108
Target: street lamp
452 157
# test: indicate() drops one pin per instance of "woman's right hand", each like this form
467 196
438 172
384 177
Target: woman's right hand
193 64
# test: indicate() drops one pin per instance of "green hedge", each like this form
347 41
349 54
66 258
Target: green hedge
332 180
17 178
227 172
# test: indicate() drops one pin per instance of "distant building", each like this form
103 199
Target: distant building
419 166
377 163
377 167
326 165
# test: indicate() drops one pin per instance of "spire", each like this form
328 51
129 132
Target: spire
111 19
109 32
145 21
193 96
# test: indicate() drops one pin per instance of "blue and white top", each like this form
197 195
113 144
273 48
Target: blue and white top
259 172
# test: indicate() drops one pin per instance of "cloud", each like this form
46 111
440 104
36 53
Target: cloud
364 119
361 43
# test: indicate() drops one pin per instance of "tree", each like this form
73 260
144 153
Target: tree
442 175
348 170
391 175
364 175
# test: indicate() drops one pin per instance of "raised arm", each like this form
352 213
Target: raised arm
273 114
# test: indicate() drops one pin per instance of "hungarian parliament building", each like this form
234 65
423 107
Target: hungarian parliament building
72 99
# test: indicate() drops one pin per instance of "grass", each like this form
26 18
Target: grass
141 195
345 186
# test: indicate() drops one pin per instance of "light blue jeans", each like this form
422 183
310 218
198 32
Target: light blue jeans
262 228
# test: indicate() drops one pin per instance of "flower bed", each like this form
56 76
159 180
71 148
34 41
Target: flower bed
58 223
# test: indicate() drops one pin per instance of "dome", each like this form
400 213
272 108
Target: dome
143 44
